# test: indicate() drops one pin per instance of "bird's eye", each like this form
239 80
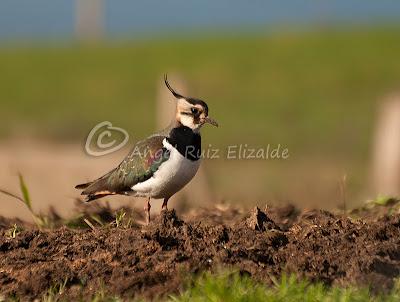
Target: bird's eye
195 110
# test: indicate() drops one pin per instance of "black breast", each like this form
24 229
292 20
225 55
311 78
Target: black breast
186 142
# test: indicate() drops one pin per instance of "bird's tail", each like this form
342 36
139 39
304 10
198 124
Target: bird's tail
83 186
97 188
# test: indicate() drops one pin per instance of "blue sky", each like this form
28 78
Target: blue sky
55 18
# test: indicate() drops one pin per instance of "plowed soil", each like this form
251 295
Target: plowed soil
155 260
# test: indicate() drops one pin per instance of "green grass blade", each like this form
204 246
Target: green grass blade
25 192
11 195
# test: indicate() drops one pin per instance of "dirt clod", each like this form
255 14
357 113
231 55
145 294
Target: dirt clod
259 221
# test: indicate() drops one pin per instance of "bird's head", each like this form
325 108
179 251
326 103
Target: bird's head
190 112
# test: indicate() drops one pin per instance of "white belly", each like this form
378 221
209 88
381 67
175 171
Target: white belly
170 177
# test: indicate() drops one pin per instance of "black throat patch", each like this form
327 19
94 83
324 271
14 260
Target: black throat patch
186 142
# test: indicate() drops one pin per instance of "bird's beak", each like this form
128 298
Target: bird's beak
210 121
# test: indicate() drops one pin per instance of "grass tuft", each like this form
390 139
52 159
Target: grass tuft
236 288
122 220
13 232
40 220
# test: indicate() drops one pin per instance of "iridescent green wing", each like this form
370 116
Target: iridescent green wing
140 164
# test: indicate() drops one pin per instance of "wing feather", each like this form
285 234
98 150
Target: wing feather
139 165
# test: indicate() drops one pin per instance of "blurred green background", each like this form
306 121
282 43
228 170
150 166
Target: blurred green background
303 90
315 92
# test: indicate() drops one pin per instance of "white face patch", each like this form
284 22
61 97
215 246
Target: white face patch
187 120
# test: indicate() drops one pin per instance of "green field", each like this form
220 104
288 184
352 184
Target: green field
304 90
315 93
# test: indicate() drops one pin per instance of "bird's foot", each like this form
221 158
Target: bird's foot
148 218
165 205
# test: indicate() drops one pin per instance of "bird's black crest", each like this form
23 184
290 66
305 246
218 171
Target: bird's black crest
177 95
192 101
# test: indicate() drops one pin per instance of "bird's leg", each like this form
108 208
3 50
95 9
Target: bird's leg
147 208
165 204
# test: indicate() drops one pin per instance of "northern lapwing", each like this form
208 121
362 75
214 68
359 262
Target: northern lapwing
162 164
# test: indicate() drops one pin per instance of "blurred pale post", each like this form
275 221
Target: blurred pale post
89 19
386 150
166 105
